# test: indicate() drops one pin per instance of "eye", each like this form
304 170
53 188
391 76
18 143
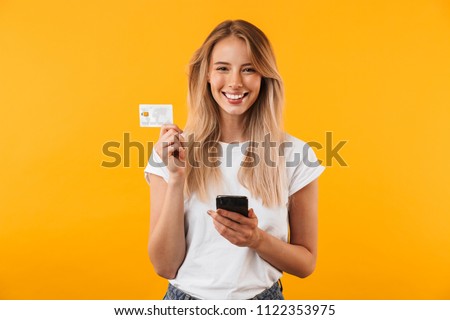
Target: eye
249 70
222 68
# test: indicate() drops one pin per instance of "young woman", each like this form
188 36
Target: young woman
236 100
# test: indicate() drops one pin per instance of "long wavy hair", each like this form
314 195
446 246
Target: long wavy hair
264 117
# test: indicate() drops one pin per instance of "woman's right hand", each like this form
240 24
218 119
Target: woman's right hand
170 149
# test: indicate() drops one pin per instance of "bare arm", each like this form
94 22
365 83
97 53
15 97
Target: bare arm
298 257
167 243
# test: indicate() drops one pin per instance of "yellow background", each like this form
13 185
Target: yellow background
72 74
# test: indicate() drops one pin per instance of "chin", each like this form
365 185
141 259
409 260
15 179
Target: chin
235 111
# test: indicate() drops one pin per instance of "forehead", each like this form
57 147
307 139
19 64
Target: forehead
231 50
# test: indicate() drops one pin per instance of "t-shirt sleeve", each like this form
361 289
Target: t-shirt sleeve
156 166
303 165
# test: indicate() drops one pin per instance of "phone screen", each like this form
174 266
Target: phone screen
237 204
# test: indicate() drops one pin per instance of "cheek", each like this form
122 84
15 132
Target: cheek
258 87
216 82
254 83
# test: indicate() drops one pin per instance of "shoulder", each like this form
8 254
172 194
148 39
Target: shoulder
291 138
302 165
293 145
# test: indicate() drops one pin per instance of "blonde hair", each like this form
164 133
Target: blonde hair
264 116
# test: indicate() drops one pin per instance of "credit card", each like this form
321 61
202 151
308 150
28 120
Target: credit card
155 115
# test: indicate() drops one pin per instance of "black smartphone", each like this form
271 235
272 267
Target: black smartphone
237 204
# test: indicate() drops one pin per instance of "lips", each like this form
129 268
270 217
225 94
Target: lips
235 98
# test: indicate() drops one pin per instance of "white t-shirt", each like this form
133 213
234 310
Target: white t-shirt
213 267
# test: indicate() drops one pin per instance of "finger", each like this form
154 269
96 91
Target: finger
251 213
168 134
176 145
234 216
168 139
183 140
171 150
166 144
175 137
167 152
182 154
224 230
169 126
165 141
225 221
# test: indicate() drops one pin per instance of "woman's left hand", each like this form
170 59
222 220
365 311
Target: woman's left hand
236 228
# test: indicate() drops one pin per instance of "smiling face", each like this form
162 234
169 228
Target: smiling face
235 84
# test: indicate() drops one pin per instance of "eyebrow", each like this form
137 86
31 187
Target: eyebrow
226 63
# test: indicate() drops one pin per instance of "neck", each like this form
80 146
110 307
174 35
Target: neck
232 129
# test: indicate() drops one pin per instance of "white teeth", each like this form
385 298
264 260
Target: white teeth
234 96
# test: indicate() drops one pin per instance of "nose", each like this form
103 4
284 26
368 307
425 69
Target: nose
235 80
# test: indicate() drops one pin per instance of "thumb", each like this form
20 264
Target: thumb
182 153
251 213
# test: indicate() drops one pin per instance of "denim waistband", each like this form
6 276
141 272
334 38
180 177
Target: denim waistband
272 293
